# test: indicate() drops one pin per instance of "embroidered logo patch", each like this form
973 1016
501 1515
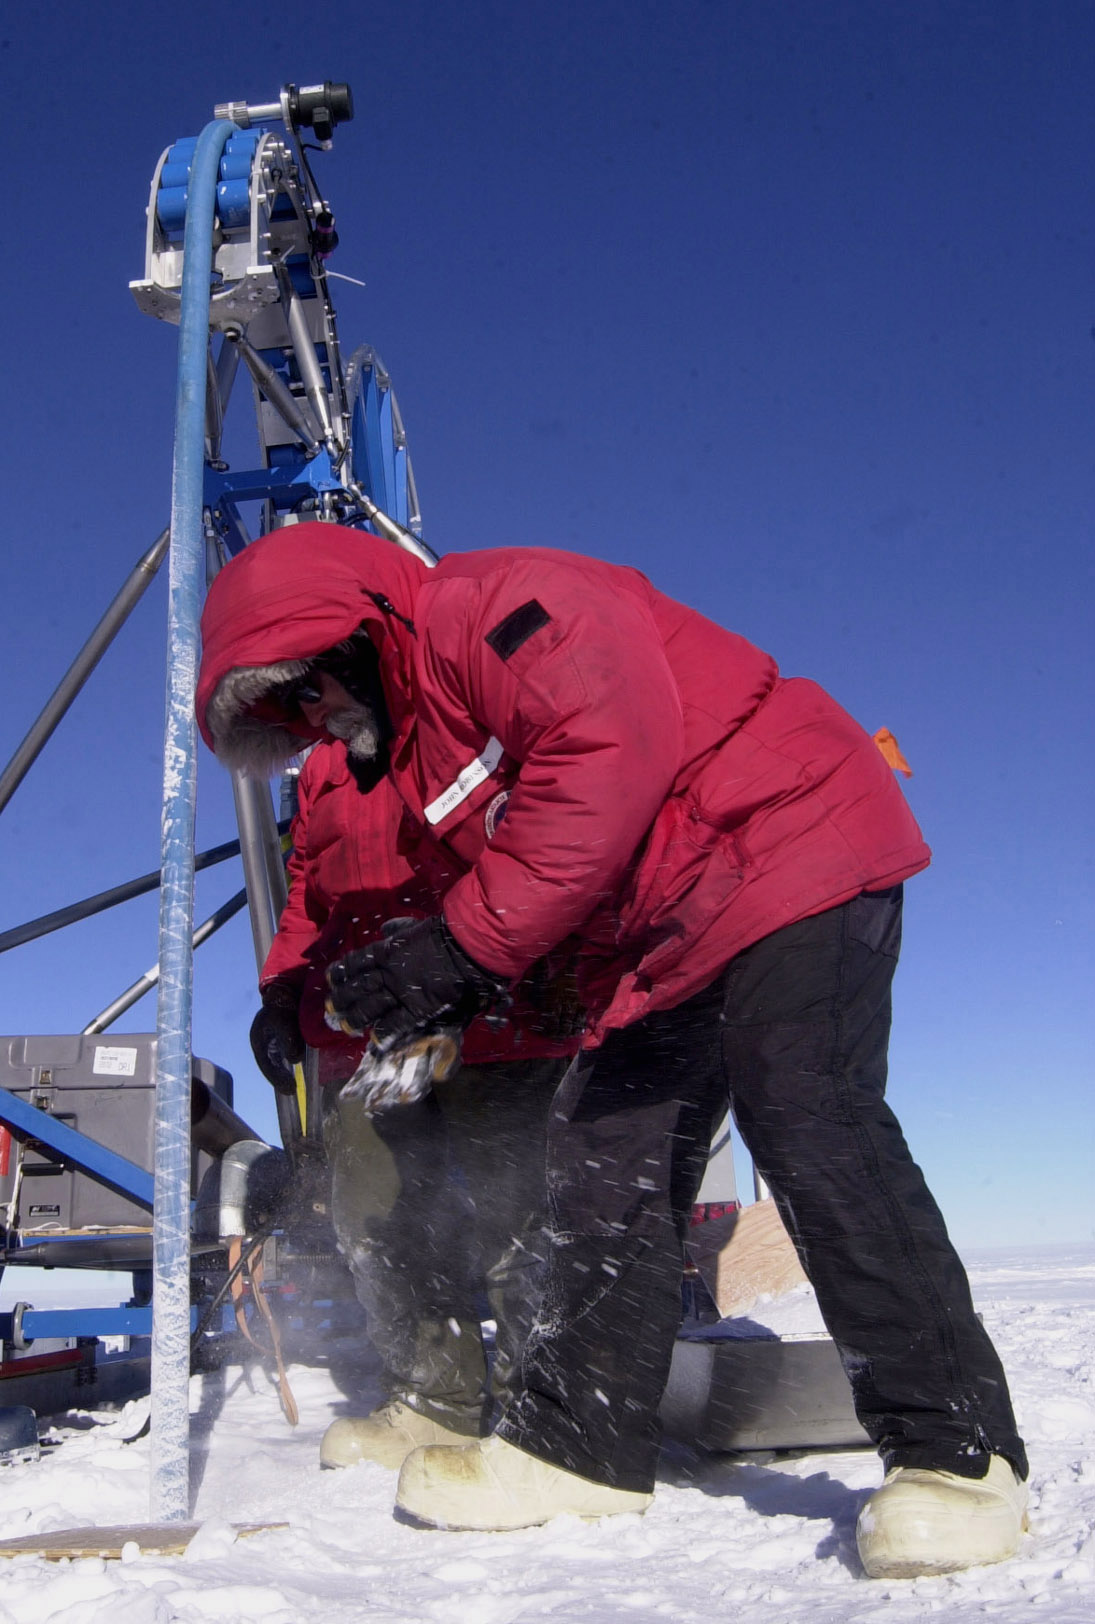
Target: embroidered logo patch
495 812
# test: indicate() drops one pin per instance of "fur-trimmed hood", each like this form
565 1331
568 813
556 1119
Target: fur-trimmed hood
242 736
286 598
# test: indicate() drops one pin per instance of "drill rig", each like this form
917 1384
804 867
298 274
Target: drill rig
238 239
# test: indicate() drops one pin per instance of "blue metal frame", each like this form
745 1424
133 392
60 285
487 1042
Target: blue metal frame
286 484
45 1323
379 464
268 212
66 1144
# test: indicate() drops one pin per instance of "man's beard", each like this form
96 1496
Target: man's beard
356 725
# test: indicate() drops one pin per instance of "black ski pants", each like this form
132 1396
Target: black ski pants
795 1031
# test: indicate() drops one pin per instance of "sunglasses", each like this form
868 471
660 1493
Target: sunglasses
305 690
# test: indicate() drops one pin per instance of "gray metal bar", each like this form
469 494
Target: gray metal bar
214 411
275 858
219 378
254 814
305 351
390 529
228 910
264 877
75 911
215 1126
227 362
249 794
134 587
294 413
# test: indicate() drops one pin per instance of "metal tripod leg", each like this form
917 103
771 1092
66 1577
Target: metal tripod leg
133 589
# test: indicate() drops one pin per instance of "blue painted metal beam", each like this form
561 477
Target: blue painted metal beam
62 1143
284 484
40 1324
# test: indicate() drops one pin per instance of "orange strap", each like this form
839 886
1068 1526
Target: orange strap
891 752
254 1270
239 1301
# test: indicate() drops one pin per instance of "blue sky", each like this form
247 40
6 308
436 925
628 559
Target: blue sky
791 306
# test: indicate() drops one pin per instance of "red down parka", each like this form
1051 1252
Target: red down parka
668 798
350 871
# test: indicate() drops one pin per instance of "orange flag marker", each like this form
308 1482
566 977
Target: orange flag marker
891 752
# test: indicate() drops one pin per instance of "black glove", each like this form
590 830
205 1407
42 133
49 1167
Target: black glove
275 1038
417 976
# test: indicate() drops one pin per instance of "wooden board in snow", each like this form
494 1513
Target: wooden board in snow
166 1539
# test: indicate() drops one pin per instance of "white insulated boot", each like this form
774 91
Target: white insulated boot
493 1486
923 1522
387 1436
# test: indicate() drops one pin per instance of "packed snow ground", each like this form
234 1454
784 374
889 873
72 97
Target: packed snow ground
725 1540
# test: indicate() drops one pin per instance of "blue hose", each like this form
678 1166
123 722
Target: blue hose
170 1441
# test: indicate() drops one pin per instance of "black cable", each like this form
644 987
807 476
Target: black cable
226 1285
309 146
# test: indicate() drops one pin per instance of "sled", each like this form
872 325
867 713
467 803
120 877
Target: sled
744 1255
734 1386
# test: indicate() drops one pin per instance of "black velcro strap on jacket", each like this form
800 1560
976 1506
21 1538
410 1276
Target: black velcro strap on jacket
517 628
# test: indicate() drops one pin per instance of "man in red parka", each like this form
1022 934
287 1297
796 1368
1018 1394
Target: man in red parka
721 852
441 1204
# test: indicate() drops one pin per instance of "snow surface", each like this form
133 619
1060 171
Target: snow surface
727 1539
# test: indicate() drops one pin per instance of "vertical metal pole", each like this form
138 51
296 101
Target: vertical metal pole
264 877
275 858
170 1451
260 848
